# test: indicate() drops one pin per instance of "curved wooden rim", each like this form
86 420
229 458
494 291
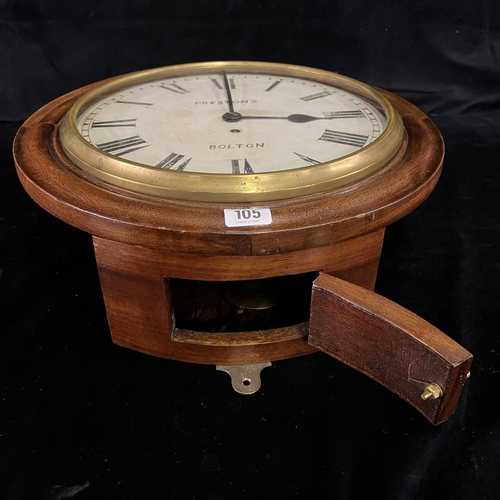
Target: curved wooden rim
198 227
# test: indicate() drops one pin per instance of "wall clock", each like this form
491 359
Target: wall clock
238 211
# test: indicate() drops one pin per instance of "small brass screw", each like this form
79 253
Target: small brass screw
431 391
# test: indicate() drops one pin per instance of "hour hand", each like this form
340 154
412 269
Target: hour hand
298 118
295 118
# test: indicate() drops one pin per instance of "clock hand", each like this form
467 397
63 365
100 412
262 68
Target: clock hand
231 116
295 118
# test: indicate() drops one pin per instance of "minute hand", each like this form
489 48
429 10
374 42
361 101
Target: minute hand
295 118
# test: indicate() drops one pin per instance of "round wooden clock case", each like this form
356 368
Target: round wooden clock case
180 284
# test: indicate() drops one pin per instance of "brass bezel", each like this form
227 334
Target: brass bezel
232 187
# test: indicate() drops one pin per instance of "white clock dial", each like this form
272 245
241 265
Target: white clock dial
187 123
231 131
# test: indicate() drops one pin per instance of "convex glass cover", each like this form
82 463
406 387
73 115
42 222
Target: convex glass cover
231 131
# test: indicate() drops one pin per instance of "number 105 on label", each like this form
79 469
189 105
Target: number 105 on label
257 216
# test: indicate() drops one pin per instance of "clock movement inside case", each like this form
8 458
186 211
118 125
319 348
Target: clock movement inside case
241 306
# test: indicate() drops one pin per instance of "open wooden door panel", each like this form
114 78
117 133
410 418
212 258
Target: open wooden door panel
390 344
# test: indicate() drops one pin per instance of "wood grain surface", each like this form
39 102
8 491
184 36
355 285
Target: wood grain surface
388 343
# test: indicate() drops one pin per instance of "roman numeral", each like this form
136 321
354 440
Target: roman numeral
176 89
312 161
216 83
115 123
220 86
330 115
247 169
171 162
319 95
274 85
147 104
346 138
122 147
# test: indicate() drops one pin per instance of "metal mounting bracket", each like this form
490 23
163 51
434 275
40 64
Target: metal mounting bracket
245 379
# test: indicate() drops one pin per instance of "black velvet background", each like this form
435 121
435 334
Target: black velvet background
82 418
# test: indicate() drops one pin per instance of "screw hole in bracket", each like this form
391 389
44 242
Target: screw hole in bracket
245 379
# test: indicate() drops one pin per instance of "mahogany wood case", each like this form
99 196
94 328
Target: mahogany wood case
149 249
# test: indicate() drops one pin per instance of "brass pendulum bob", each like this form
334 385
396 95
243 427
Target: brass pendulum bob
256 295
